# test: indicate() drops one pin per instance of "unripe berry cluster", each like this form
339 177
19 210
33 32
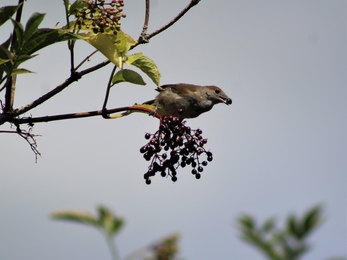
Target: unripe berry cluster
174 145
100 16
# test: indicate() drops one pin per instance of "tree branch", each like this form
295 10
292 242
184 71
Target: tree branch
75 77
144 36
45 119
108 92
11 80
179 16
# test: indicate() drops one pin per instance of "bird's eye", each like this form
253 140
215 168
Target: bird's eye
217 91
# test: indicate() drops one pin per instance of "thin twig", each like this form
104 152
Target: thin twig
86 59
179 16
11 81
76 76
109 84
44 119
143 37
28 137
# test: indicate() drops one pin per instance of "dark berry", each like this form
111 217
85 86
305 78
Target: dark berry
163 174
198 176
204 163
147 136
200 169
194 171
174 178
210 158
148 181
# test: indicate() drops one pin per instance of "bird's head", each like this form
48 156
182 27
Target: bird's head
216 95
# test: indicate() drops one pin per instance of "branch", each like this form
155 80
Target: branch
74 77
11 81
28 137
108 92
179 16
144 36
32 120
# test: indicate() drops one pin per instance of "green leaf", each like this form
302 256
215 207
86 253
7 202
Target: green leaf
19 30
45 37
148 66
105 43
293 227
77 5
5 53
22 58
312 219
128 76
2 61
76 216
109 221
32 25
269 225
114 47
133 57
20 71
247 222
7 12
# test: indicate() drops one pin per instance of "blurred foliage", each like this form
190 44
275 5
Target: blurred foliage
109 224
288 243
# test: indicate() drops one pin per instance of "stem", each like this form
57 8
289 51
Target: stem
31 120
108 91
113 248
143 37
11 81
179 16
76 76
86 58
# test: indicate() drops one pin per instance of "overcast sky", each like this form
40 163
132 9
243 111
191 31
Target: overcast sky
280 148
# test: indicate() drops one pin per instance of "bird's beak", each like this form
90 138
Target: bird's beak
225 100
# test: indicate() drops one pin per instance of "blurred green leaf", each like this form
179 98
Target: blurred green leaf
269 225
2 61
32 25
246 222
312 219
20 71
7 12
148 66
76 5
76 216
128 76
45 37
19 30
293 227
110 223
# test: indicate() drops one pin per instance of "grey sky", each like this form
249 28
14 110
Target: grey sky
279 148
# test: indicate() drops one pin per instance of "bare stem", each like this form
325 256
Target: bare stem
173 21
108 91
32 120
143 37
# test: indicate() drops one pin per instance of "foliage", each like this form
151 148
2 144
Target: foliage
109 224
288 243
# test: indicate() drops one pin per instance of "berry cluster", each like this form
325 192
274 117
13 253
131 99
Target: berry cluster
100 16
172 146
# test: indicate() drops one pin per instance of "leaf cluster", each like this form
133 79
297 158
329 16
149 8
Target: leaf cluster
288 243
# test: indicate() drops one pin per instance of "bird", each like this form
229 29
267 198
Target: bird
184 100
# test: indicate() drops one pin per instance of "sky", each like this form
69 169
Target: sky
280 148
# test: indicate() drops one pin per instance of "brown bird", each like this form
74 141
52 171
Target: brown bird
186 100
